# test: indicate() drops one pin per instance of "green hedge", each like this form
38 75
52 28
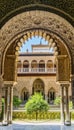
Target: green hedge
41 115
72 115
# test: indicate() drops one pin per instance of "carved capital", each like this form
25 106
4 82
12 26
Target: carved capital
9 83
72 77
65 85
61 56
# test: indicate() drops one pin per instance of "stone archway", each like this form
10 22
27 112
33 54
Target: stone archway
19 29
38 86
51 95
24 95
57 30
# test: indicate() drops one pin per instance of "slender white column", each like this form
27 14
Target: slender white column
45 66
30 67
1 85
5 120
10 104
72 86
46 96
68 122
15 71
21 69
62 103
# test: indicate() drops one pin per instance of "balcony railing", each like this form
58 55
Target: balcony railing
36 70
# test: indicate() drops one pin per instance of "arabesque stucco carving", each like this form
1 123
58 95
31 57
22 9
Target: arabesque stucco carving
36 19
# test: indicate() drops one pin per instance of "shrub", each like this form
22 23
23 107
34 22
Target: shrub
57 101
16 101
70 105
36 104
1 114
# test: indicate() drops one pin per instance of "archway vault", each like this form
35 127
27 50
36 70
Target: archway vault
54 28
13 50
50 26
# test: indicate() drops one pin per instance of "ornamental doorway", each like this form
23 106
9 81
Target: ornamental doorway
51 96
24 95
38 86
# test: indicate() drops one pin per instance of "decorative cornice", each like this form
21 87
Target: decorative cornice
63 83
35 54
10 83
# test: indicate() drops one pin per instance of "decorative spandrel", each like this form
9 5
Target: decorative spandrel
7 6
63 69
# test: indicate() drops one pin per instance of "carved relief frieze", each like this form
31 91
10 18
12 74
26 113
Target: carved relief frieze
63 68
36 19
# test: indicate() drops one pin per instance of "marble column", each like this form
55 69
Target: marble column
46 96
10 104
21 69
45 66
30 67
67 122
1 86
15 69
5 118
72 87
62 103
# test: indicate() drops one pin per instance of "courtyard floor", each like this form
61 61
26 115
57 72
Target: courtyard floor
37 126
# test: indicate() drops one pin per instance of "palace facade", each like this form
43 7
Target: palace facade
36 72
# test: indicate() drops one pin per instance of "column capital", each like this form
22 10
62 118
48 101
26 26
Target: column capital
61 56
64 85
46 93
10 83
72 77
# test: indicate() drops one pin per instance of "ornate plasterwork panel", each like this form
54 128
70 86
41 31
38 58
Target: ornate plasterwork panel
37 19
63 74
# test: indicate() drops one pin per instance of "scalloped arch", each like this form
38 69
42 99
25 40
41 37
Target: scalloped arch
38 33
17 29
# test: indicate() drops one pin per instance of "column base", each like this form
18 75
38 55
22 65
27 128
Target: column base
9 122
62 122
68 123
4 123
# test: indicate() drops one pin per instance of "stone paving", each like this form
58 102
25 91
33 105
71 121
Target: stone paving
36 126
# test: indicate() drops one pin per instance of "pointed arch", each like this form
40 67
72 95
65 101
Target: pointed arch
51 95
26 66
38 86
